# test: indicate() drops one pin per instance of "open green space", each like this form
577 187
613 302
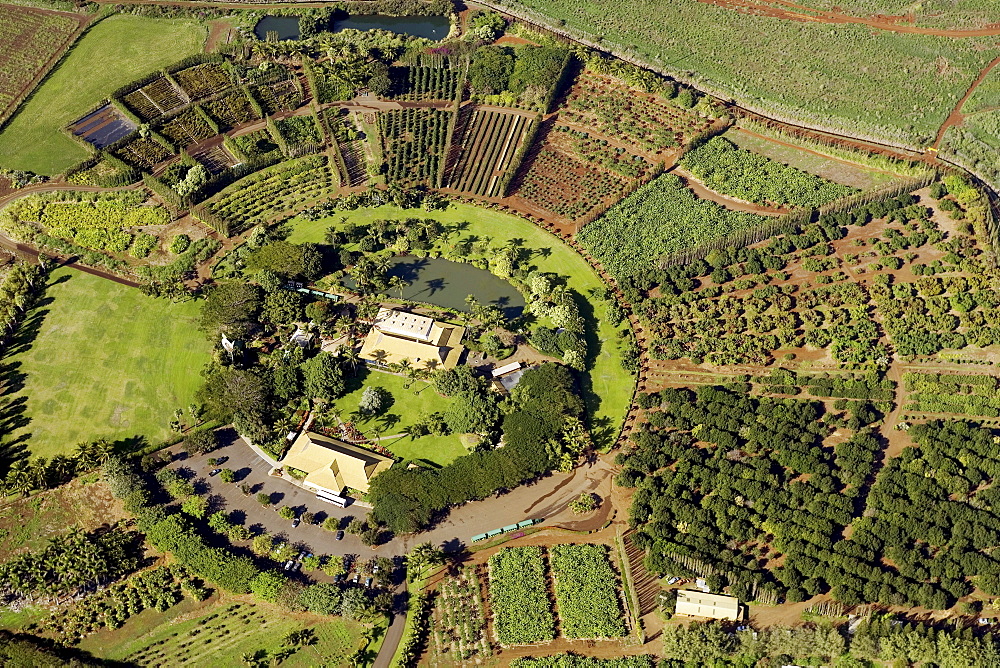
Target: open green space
217 633
838 171
411 399
894 86
107 362
116 51
609 389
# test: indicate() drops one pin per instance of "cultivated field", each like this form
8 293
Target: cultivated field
29 39
861 81
107 362
125 47
486 151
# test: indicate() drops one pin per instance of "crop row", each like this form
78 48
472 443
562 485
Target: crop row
459 620
488 146
560 183
586 592
28 39
415 142
521 610
424 82
154 99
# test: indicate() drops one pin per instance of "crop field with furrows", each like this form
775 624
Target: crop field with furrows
897 87
648 122
415 141
28 41
491 140
186 128
202 80
566 185
960 14
142 152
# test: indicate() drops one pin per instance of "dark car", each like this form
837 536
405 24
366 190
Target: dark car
296 522
340 535
214 472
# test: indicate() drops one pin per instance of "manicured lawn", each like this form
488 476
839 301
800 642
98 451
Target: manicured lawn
219 633
116 51
607 387
107 362
408 405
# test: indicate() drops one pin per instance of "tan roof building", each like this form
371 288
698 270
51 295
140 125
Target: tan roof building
414 337
716 606
331 465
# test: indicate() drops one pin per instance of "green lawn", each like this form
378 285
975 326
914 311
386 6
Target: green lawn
220 633
116 51
107 362
408 405
608 388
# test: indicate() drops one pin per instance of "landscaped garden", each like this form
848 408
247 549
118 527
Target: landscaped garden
127 47
106 362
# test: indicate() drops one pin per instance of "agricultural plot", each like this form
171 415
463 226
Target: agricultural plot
491 140
351 145
155 99
214 158
586 592
102 127
256 198
93 221
975 144
730 170
459 625
142 152
650 123
661 217
433 78
257 145
565 185
414 144
28 41
186 128
962 394
280 96
875 83
596 150
299 133
230 110
202 80
522 612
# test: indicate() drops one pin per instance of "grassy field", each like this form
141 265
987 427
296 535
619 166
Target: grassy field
960 14
838 171
849 77
408 405
107 362
608 387
217 633
114 52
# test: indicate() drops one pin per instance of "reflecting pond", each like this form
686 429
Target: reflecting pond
430 27
446 283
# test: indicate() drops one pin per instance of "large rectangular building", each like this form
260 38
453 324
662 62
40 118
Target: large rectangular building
692 603
331 465
398 335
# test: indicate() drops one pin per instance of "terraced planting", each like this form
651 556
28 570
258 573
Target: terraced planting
487 151
272 191
522 612
28 41
586 592
414 143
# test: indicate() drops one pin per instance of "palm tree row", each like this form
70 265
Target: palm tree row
40 473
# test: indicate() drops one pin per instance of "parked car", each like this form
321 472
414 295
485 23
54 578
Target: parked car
357 576
296 522
302 555
214 472
368 582
289 563
375 568
340 535
673 581
340 578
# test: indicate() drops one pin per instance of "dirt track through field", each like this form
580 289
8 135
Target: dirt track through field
782 9
956 116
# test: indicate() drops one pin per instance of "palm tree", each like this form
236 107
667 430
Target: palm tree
398 284
351 356
380 357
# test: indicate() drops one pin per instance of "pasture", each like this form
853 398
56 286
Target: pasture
106 362
112 53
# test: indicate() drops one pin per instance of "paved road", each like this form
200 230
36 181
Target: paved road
546 498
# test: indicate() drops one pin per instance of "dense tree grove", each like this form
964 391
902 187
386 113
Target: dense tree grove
760 486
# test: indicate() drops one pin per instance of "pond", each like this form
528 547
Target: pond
430 27
447 284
